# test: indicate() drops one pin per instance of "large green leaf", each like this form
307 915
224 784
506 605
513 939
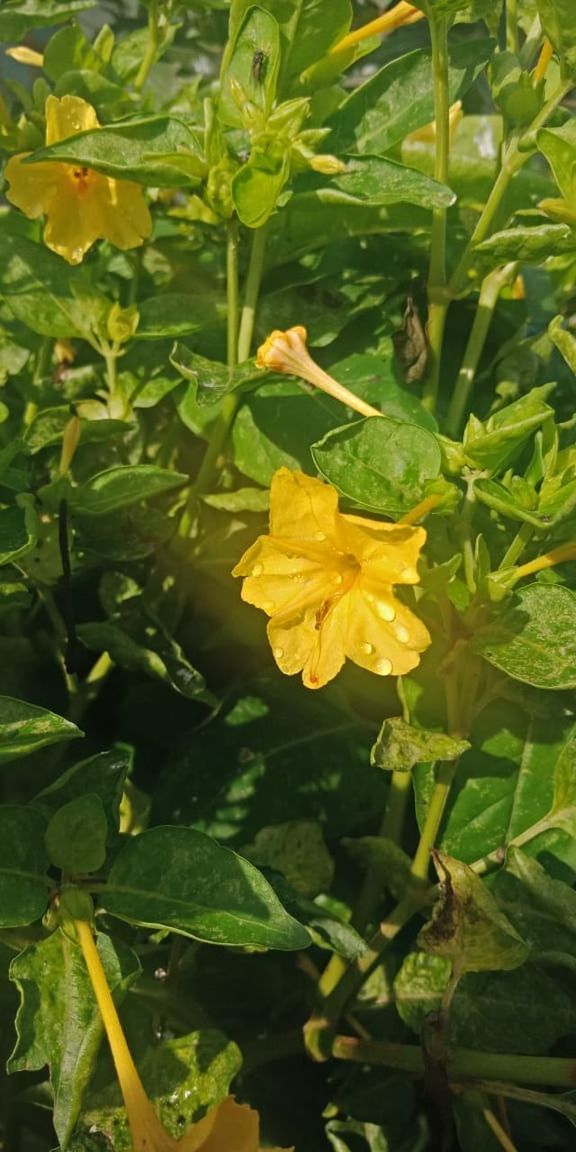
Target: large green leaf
23 864
159 150
140 643
44 292
250 67
76 835
25 728
533 639
519 775
18 16
210 379
184 1077
381 464
120 487
376 180
399 98
180 879
58 1022
305 31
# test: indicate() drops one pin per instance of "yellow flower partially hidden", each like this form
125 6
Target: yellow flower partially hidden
230 1127
80 205
326 580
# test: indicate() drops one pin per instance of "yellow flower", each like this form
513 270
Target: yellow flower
402 13
80 205
287 352
326 580
230 1127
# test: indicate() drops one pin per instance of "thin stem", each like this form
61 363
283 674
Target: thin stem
444 779
464 1063
251 293
512 25
513 160
516 548
492 286
499 1132
390 829
210 462
437 270
151 47
232 291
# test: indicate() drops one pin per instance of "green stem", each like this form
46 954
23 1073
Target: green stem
444 779
437 271
232 291
521 539
513 160
463 1063
251 293
151 47
210 462
512 25
492 286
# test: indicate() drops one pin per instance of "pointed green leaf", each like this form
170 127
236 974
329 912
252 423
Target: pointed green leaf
180 879
159 150
533 639
123 486
103 775
24 884
18 532
18 16
24 728
250 66
400 746
58 1022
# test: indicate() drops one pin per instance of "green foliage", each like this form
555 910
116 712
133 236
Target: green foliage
251 856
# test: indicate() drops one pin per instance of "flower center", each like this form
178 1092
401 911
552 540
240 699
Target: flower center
81 178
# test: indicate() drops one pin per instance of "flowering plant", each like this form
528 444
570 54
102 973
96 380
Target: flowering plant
287 541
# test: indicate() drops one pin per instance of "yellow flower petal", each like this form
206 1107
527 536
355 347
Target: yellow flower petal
35 188
68 116
230 1127
26 55
327 584
287 352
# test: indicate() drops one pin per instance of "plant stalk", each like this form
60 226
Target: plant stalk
438 303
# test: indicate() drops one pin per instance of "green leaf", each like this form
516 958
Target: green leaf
529 244
467 925
184 1077
51 976
123 486
76 835
384 858
275 426
399 98
45 293
434 8
558 20
102 775
24 728
159 150
18 16
69 50
211 379
250 66
174 314
373 378
18 532
534 639
180 879
141 644
492 444
23 863
543 909
400 746
305 32
381 464
376 180
297 851
257 185
558 145
564 341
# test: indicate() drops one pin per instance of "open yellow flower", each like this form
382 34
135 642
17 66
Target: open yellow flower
326 580
80 205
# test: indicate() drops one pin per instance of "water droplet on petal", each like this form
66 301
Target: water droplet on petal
319 536
367 648
278 653
336 578
402 633
383 667
269 605
409 574
385 611
257 570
